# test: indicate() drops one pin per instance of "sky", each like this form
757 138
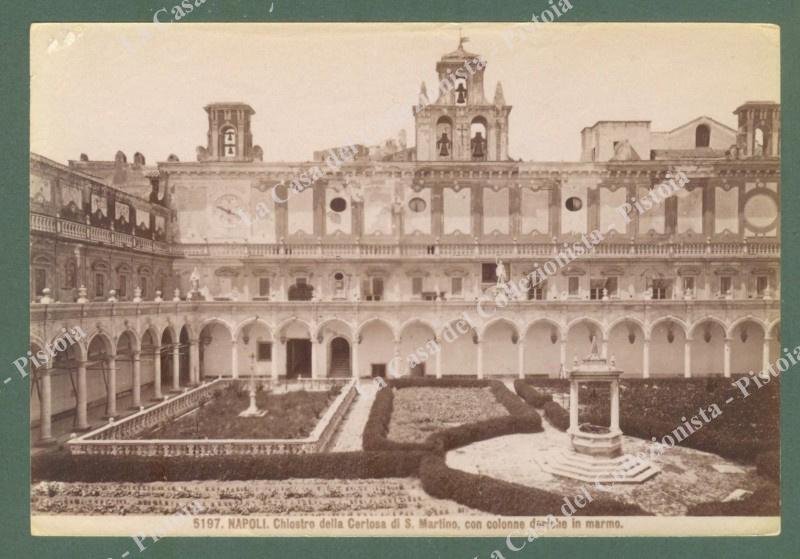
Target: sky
100 88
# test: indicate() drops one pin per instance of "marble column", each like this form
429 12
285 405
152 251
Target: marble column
82 409
646 358
614 406
46 407
176 367
564 354
194 362
573 405
111 396
136 389
399 369
765 353
480 358
687 358
726 365
234 360
157 394
355 372
315 358
521 358
439 358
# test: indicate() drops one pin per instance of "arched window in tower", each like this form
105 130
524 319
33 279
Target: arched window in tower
460 90
760 142
702 136
444 138
478 137
229 142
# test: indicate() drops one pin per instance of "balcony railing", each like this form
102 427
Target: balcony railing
81 231
362 250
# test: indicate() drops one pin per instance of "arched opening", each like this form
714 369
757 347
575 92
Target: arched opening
297 337
542 350
579 341
478 139
215 350
183 360
444 138
147 362
126 347
228 141
626 345
254 350
760 142
775 342
667 348
301 290
339 361
376 351
747 346
500 349
459 349
708 349
97 373
418 349
702 136
167 348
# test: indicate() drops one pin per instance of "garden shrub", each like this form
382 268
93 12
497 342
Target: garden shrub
342 465
508 499
532 396
557 416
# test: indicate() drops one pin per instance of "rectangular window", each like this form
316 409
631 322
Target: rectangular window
574 286
379 370
416 286
39 280
456 286
725 285
536 292
99 285
489 273
688 284
264 351
661 289
122 282
762 285
263 287
596 287
143 286
372 289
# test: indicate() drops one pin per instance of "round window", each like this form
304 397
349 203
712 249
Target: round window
417 205
760 212
574 204
338 276
338 204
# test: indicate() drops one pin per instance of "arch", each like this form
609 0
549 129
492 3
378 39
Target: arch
417 320
375 319
443 141
478 138
218 321
348 335
669 318
585 319
742 320
549 321
279 331
502 348
705 319
105 338
150 334
496 320
773 328
630 319
134 338
626 347
339 356
168 330
236 331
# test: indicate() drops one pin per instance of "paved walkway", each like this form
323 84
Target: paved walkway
349 436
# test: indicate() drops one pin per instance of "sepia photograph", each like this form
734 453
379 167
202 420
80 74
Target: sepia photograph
515 280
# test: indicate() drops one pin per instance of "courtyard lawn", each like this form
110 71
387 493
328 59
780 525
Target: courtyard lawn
420 411
292 415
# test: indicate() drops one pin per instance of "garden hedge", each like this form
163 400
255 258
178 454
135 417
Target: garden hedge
534 397
508 499
521 419
557 416
60 466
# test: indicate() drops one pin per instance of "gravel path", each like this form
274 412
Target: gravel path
349 435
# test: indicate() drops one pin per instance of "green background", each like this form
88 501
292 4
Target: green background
15 19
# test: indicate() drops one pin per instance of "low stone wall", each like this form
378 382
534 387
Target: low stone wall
110 439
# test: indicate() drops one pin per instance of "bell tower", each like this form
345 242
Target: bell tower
229 135
457 122
759 129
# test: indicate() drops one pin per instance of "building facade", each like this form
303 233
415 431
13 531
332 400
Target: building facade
368 261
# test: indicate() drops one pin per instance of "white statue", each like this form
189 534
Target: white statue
500 272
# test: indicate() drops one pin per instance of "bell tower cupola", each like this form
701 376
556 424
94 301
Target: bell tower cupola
456 122
229 134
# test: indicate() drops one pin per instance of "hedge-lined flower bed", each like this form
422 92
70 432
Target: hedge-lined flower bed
557 416
530 394
521 419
